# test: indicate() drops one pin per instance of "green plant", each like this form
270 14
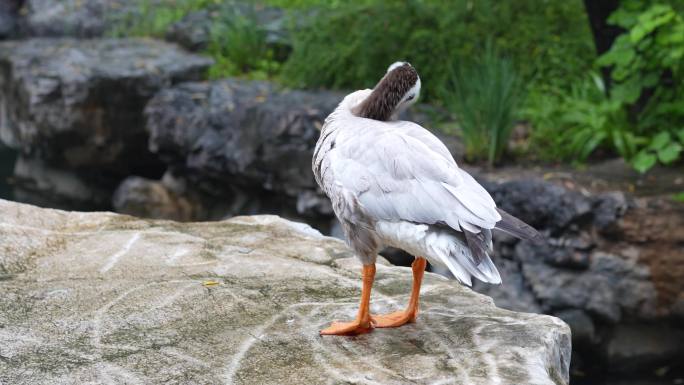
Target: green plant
571 125
641 117
648 73
594 120
651 47
238 46
485 94
349 47
153 17
664 148
679 197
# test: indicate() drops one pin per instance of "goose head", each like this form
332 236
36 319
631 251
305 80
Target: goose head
396 91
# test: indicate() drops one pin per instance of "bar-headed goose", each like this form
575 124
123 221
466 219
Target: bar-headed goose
393 183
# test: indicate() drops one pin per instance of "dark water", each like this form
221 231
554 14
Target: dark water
7 159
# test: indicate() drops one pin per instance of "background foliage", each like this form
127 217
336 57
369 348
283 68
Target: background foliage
538 54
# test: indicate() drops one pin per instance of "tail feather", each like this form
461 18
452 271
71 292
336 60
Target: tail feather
457 256
517 228
442 247
477 244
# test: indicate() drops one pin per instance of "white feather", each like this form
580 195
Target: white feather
440 247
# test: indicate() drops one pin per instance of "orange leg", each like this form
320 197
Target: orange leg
409 315
362 323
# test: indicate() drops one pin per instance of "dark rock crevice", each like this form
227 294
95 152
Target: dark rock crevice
74 109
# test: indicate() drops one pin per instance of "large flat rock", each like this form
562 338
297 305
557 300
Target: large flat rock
105 298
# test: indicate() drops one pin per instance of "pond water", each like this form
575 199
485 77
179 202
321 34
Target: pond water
7 159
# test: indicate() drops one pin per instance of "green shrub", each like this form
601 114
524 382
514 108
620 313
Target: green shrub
641 118
572 125
350 47
484 94
238 46
153 17
648 72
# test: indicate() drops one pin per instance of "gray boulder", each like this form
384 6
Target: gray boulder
168 198
78 104
542 204
193 31
91 298
245 134
75 18
609 260
9 18
36 181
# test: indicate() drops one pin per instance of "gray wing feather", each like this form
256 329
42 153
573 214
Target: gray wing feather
399 171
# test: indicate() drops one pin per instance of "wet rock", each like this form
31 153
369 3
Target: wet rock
513 293
634 347
9 18
608 208
610 287
42 184
242 133
609 259
78 104
75 18
153 198
581 324
193 31
90 298
542 204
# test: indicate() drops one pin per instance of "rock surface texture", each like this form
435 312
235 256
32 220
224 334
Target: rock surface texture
76 18
246 143
9 17
100 297
77 104
613 269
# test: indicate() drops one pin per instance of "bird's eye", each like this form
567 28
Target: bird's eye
410 97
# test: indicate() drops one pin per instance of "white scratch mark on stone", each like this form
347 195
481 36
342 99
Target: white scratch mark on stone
257 334
96 336
332 361
170 351
485 347
171 260
121 375
247 344
114 258
444 381
173 297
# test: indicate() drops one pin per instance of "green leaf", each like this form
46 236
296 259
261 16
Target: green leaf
679 197
651 79
660 141
622 17
591 144
670 153
680 135
647 26
627 92
644 161
617 55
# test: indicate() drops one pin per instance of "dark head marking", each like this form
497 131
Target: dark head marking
400 85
